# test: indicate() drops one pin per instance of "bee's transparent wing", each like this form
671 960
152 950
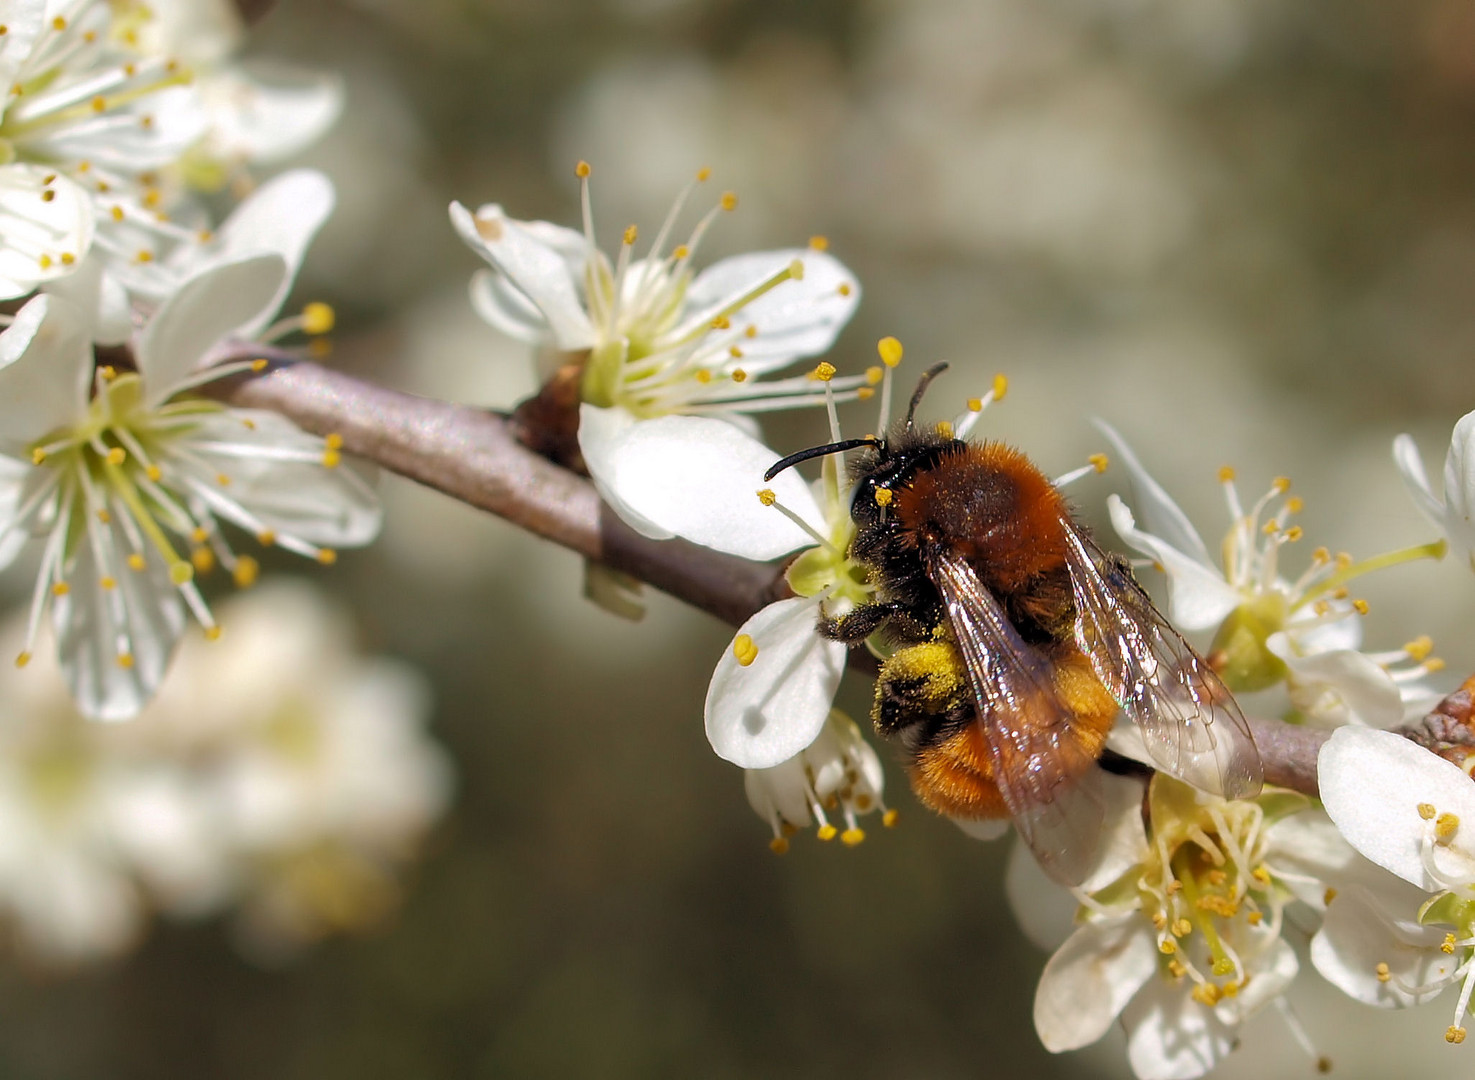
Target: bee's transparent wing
1045 773
1189 721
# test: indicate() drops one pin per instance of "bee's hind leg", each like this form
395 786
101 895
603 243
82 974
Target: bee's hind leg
859 623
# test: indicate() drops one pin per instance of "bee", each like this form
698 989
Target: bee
1016 643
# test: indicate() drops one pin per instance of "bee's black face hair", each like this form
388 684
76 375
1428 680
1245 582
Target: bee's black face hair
925 381
819 451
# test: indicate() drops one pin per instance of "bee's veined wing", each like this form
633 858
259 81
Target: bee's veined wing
1042 768
1189 721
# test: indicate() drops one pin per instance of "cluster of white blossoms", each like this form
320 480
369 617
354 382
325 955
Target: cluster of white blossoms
283 781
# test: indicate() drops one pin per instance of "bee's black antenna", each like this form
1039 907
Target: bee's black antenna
925 381
819 451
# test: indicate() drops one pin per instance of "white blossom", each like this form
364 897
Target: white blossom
1451 515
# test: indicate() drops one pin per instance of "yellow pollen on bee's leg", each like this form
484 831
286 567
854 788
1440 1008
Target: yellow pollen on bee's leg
890 350
1383 973
1445 827
883 496
945 429
744 649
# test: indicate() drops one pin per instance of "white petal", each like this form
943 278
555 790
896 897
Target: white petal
1270 975
780 790
1091 979
282 217
1306 853
199 315
45 372
763 714
794 319
1044 911
695 477
1372 783
1172 1037
1198 595
1159 513
87 636
534 266
1411 468
507 309
36 233
13 477
985 829
1340 687
1459 487
264 112
98 294
1357 935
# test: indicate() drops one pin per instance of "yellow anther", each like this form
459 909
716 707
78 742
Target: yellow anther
1427 811
203 559
333 441
1255 918
890 350
751 331
107 582
824 372
1230 989
246 572
1182 928
48 195
734 352
864 393
1226 473
38 456
767 497
944 428
1434 663
154 473
22 659
703 175
108 372
680 251
331 459
582 170
144 255
318 317
827 831
883 496
1360 606
212 633
46 262
266 537
259 365
1270 528
1294 533
136 563
1419 647
1445 826
1099 462
180 572
1177 969
819 243
1217 877
59 23
739 375
1328 896
67 258
60 588
844 288
117 455
1295 504
1454 1034
1001 387
888 819
631 235
1344 560
1205 994
1167 946
874 374
125 661
1223 966
744 649
1321 556
796 269
327 556
1447 946
1383 973
105 516
729 200
1159 921
851 837
204 236
200 534
1321 607
779 845
722 322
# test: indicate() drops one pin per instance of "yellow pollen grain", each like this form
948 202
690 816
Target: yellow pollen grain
327 556
246 572
22 659
729 200
125 661
136 563
890 350
582 170
1445 826
145 256
1360 606
204 236
767 497
819 243
1454 1034
318 317
90 37
266 537
883 496
945 429
1419 647
888 819
67 258
60 588
844 288
851 837
827 832
1382 972
1099 462
1427 811
1226 473
631 235
107 582
824 372
117 455
779 845
1447 946
739 375
259 365
744 649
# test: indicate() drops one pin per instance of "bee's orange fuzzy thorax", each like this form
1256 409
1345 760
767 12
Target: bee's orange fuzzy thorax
991 504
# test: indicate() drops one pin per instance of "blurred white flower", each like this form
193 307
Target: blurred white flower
1408 810
1451 515
838 772
665 353
120 475
1304 632
1179 928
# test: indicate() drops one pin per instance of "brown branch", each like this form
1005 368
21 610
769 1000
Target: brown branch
472 456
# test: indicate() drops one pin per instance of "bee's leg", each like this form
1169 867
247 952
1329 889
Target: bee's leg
860 623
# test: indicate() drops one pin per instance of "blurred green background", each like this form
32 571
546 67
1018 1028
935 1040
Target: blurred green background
1242 231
